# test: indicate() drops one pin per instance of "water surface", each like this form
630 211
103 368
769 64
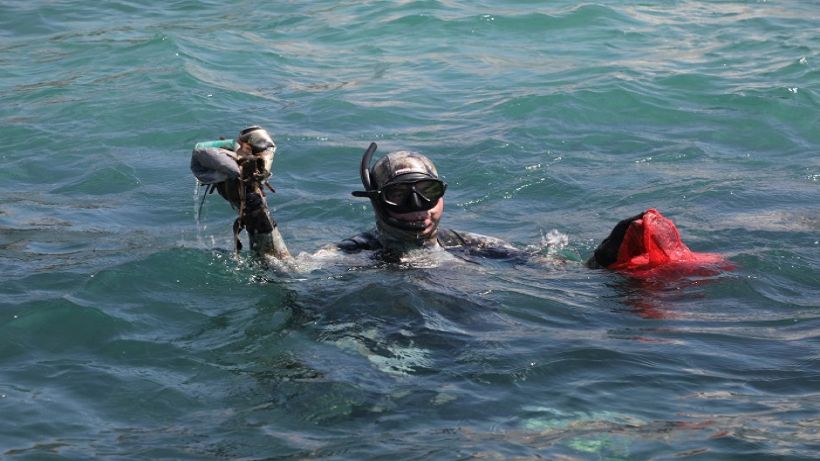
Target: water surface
128 330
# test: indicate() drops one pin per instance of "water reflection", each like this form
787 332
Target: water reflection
657 294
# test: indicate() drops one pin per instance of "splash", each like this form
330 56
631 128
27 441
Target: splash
554 241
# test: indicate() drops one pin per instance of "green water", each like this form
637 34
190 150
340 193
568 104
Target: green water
128 330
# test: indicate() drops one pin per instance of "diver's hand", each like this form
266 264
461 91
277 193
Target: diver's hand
607 252
243 149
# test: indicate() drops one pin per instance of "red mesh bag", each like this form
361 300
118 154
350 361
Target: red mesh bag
653 241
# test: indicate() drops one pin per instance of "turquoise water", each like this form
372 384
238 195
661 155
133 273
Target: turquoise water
128 330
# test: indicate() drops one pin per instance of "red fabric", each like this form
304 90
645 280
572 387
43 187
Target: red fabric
653 242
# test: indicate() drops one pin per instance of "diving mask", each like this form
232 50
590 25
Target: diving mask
412 192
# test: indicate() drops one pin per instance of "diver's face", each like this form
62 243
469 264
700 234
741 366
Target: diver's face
425 221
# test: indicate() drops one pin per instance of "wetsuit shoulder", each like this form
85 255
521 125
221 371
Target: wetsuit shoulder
365 241
477 244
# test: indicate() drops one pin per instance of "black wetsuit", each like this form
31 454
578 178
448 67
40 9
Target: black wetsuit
458 242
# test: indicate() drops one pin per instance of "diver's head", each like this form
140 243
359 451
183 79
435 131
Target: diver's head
407 197
259 143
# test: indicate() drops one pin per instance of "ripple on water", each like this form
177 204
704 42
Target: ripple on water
126 331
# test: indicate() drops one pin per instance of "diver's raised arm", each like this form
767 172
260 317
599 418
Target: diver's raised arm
239 170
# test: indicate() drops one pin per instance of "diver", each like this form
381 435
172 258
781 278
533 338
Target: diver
407 196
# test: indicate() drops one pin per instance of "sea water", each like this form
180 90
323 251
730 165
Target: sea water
129 329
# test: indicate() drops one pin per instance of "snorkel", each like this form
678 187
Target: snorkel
371 192
364 173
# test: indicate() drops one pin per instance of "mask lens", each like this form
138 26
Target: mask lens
396 194
430 190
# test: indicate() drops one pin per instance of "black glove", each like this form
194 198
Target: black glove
607 251
257 219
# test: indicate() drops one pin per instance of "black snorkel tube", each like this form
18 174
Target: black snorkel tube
364 173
